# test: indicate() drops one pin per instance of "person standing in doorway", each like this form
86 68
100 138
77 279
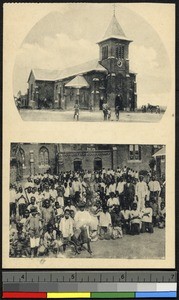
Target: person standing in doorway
76 111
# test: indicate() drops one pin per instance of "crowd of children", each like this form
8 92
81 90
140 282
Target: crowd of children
49 213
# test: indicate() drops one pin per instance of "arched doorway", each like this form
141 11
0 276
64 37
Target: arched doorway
97 164
77 164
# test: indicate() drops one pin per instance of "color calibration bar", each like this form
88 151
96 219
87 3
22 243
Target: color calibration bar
97 295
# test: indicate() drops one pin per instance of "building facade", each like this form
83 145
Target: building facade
105 78
30 158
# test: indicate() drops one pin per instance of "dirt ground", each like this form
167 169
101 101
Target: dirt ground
145 245
87 116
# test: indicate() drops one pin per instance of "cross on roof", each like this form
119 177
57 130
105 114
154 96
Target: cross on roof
114 8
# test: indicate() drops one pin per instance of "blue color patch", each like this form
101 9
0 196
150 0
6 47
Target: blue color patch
156 295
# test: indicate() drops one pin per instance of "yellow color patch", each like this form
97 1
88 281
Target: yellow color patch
68 295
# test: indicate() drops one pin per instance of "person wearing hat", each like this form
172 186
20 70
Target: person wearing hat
34 225
141 192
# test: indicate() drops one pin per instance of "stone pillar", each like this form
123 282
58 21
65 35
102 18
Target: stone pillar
127 92
114 158
32 167
127 66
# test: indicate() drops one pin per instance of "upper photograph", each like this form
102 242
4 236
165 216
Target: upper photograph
94 62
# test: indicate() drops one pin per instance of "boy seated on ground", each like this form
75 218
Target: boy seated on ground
50 240
147 225
20 242
116 224
162 215
135 220
105 224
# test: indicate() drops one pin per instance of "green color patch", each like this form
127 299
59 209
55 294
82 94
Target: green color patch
113 295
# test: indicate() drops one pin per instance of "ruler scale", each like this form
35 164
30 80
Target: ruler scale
89 284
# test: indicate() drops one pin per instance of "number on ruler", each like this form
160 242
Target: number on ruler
73 276
122 276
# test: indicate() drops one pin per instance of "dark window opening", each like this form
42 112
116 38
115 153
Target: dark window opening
77 165
134 152
98 164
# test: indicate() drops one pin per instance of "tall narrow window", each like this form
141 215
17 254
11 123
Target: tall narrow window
134 152
43 156
22 157
119 51
104 52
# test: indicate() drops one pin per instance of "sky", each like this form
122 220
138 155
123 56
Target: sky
67 36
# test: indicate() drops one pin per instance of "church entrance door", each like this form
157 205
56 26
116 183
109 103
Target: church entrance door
59 100
77 165
84 99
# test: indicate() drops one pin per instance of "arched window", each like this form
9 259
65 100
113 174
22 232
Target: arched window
43 156
98 164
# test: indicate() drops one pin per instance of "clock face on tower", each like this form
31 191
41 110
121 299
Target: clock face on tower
119 63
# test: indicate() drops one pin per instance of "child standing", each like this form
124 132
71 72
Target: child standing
35 226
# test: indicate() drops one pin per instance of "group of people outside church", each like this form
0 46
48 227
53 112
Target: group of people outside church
104 106
52 213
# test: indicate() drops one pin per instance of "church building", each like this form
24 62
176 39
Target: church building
31 158
92 83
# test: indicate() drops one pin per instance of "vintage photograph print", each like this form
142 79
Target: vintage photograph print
87 201
95 62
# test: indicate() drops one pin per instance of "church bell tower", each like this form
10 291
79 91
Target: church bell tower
113 55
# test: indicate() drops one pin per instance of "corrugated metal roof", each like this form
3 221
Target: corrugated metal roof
114 30
53 75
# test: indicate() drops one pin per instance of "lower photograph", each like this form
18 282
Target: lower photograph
87 201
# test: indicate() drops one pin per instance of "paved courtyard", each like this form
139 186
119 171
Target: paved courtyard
145 245
87 116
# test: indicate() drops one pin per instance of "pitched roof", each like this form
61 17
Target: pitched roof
42 74
53 75
78 82
114 30
161 152
92 65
